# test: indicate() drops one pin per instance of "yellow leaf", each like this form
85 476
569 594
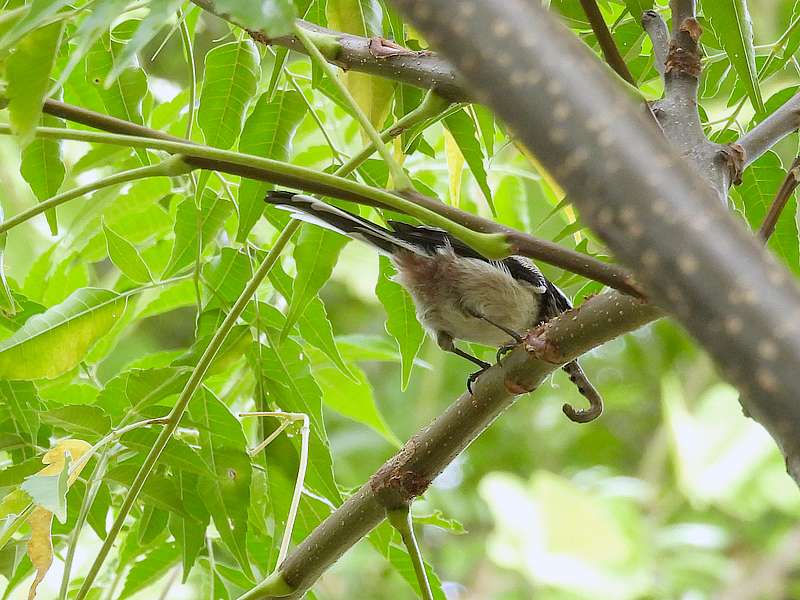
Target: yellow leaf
40 546
455 166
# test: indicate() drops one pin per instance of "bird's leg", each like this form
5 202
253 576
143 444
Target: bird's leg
445 342
518 339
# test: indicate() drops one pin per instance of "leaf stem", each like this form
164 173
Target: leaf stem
785 192
400 518
174 418
169 167
399 177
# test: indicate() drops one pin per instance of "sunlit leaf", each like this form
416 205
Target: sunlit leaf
273 18
71 328
267 132
401 320
231 74
42 167
125 256
39 13
79 419
28 73
149 570
463 130
731 22
21 399
315 253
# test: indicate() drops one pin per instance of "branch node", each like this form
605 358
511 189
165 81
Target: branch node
395 487
542 348
684 52
382 48
734 157
515 388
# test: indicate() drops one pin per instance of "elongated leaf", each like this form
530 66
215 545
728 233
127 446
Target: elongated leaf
314 325
23 402
731 22
149 570
125 256
231 75
159 490
267 132
270 17
28 73
123 99
288 379
137 389
760 183
189 534
56 341
401 320
8 304
161 12
91 29
177 454
79 419
43 169
455 167
315 254
462 128
363 17
193 227
39 13
353 398
227 495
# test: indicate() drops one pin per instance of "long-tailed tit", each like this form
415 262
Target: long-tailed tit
459 294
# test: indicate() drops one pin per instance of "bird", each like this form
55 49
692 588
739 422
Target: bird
458 293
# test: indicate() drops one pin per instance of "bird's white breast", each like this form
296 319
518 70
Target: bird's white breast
447 288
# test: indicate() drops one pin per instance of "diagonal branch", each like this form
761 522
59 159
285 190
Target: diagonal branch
409 473
607 44
785 192
656 29
374 56
771 130
643 200
521 243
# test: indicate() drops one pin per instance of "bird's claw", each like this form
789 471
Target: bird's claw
505 349
473 377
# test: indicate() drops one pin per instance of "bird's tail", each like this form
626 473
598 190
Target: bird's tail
312 210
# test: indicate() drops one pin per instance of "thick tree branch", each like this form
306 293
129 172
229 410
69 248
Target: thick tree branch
409 473
771 130
524 244
607 44
375 56
649 206
681 10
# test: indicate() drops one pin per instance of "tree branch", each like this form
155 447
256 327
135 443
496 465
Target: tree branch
522 243
785 192
374 56
409 473
607 45
642 199
771 130
656 29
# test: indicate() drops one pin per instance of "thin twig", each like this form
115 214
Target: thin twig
785 192
607 44
401 520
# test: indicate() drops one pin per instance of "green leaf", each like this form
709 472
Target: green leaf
137 389
273 18
315 254
231 75
79 420
462 128
8 304
43 169
401 319
39 13
189 534
195 226
57 340
760 184
731 21
268 132
637 7
123 99
288 380
160 490
50 491
225 277
126 258
315 327
149 570
227 495
91 29
23 402
28 74
161 13
177 454
352 397
365 18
